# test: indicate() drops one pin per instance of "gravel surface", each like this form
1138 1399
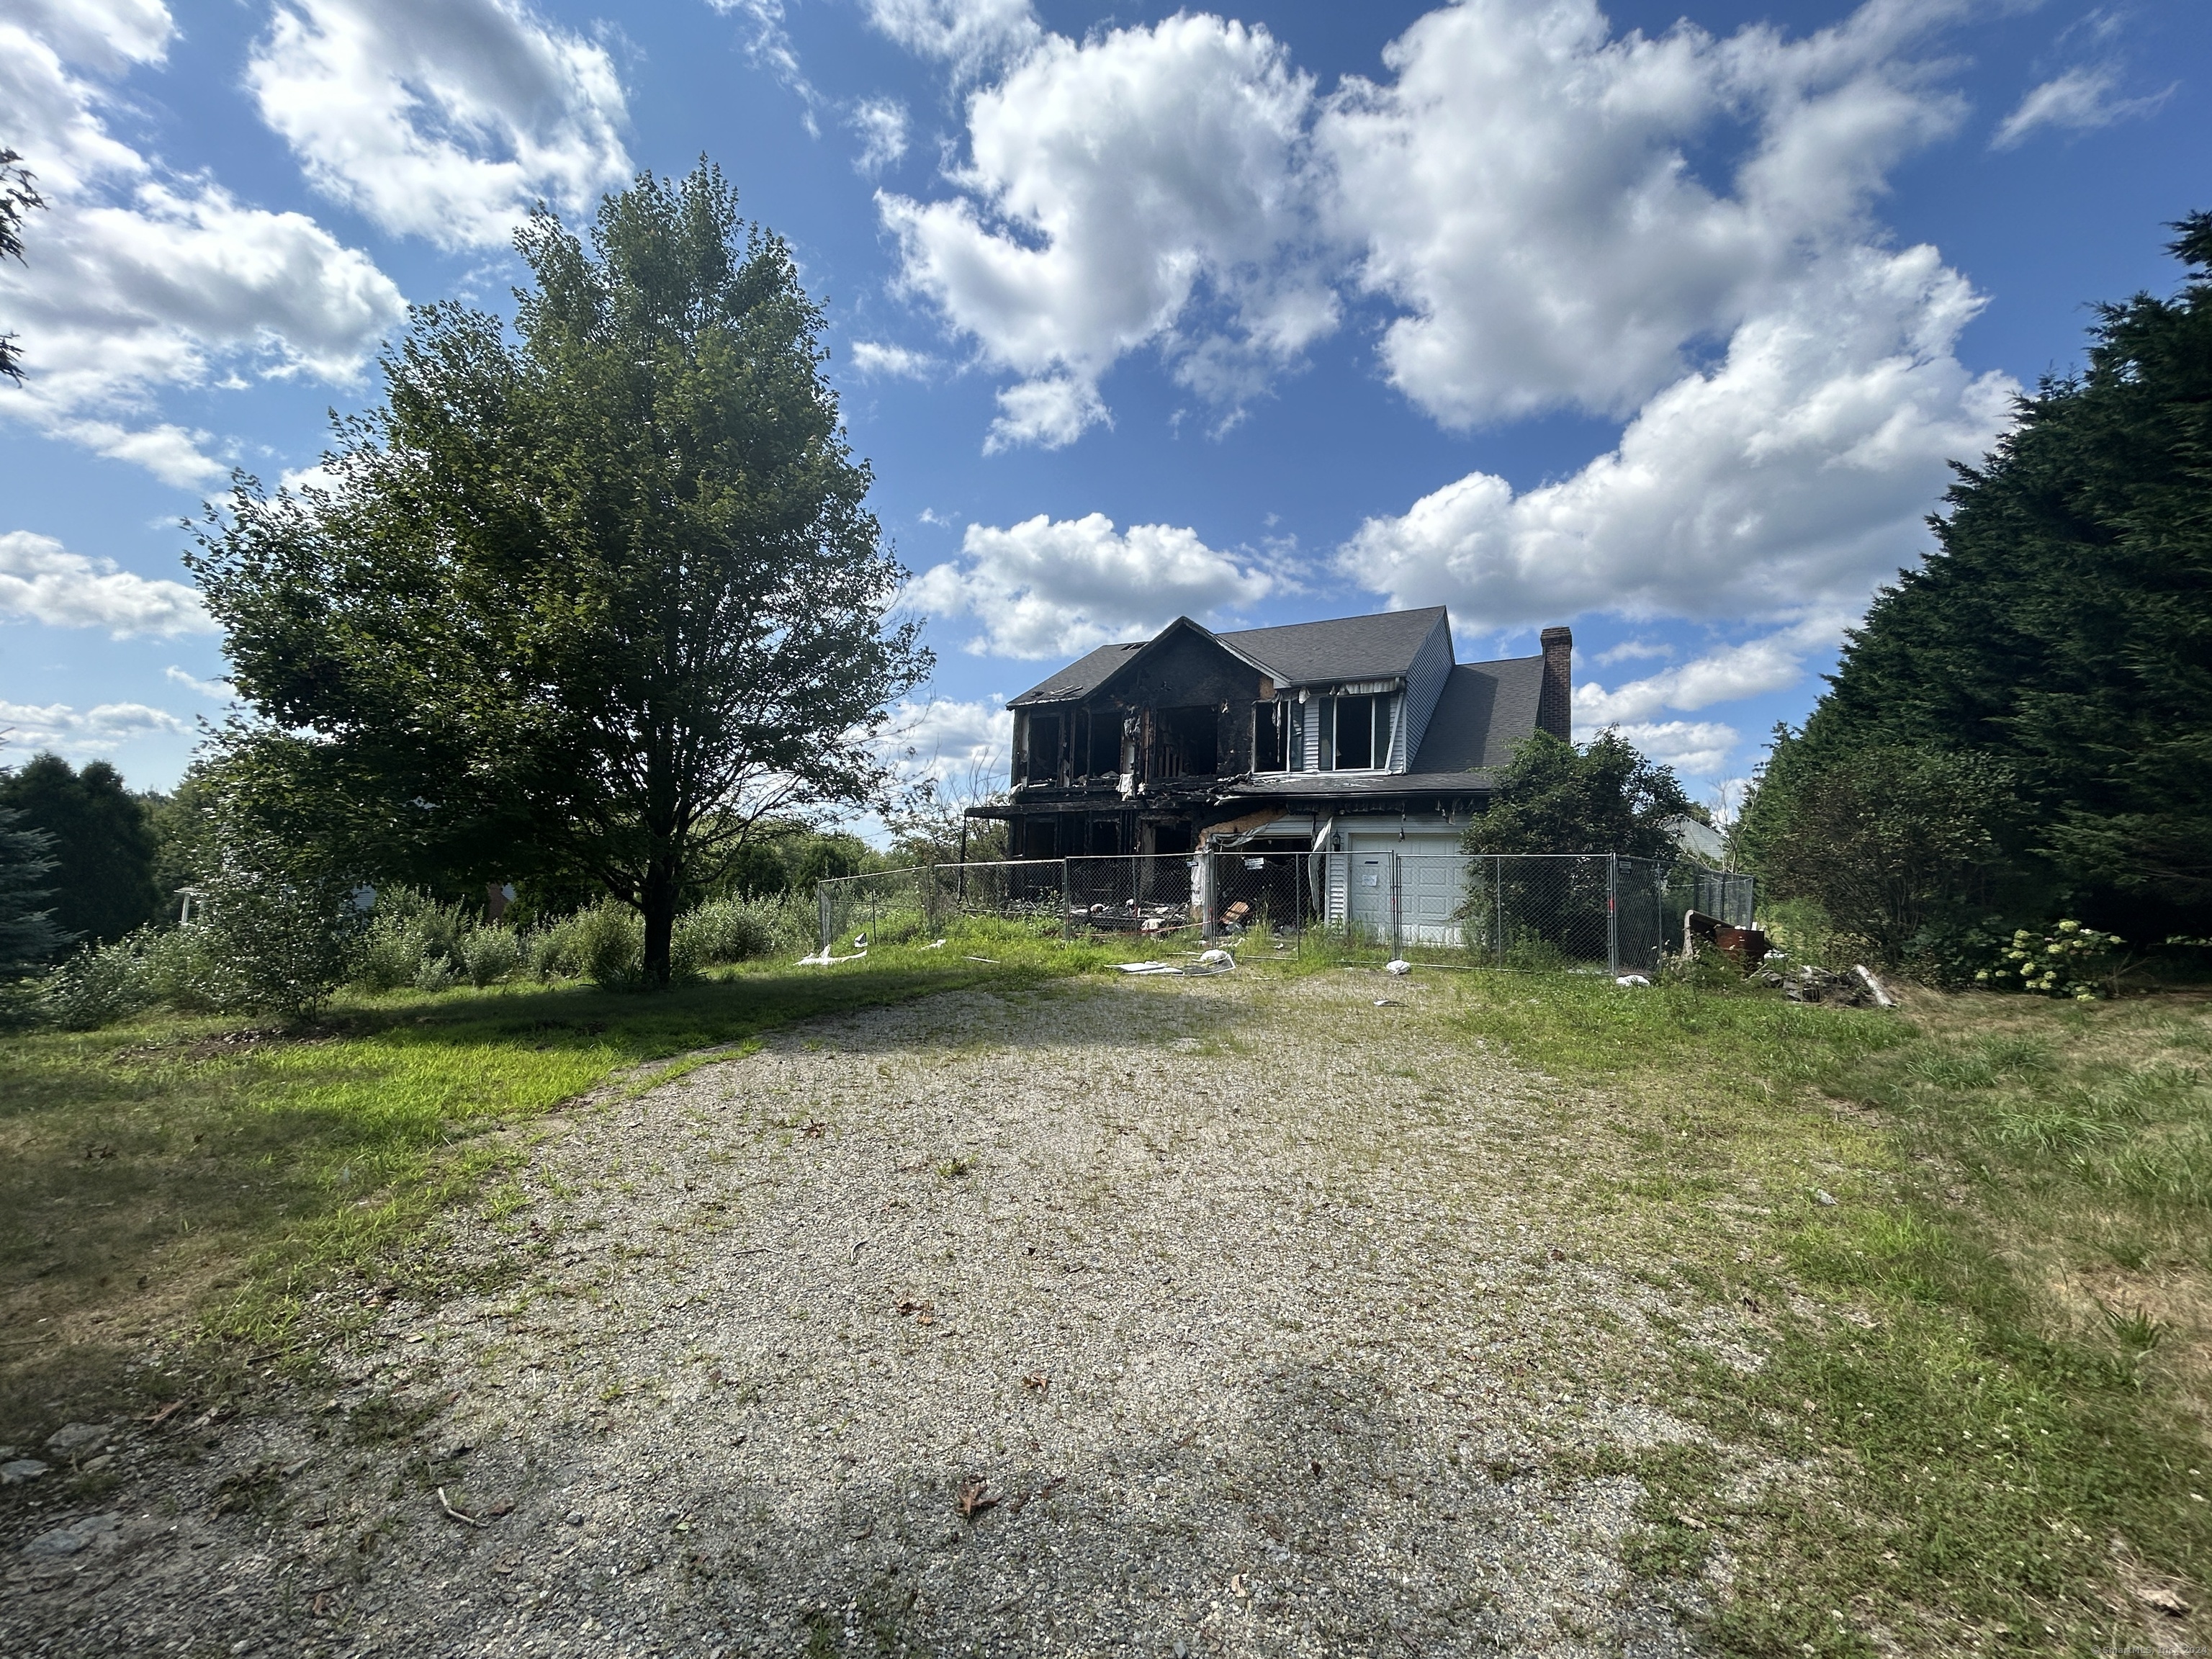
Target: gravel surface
1228 1315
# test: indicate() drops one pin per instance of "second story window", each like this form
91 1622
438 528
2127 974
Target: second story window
1043 757
1271 736
1355 732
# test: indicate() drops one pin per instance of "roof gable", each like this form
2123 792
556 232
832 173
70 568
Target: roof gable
1377 647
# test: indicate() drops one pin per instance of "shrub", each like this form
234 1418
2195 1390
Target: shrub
551 952
727 930
1891 843
411 940
103 983
2068 961
96 985
183 970
489 955
286 924
608 946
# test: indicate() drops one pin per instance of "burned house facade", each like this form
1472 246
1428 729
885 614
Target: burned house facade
1317 737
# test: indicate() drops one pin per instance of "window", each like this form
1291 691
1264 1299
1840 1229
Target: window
1105 759
1355 733
1044 749
1188 738
1269 728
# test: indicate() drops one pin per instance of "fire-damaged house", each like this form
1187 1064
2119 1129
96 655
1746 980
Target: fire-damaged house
1324 736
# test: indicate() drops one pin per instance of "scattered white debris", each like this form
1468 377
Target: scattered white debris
1631 979
1824 1196
824 959
1881 996
1397 965
934 945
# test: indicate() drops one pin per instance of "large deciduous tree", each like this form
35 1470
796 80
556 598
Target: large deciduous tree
591 596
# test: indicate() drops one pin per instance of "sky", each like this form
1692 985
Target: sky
1664 323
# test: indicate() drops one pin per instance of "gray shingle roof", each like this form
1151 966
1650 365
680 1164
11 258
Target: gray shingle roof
1376 648
1080 676
1486 708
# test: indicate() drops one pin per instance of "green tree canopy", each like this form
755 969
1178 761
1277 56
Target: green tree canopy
2064 629
103 848
1896 843
588 598
1599 797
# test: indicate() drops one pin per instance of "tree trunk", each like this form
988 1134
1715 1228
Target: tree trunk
658 900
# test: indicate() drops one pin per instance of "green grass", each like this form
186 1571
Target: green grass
201 1177
1978 1426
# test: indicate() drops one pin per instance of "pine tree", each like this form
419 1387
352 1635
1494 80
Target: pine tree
28 937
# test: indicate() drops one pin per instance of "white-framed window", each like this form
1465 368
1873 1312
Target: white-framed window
1356 731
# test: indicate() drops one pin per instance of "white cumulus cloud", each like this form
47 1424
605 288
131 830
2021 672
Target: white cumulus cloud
964 33
1791 477
138 281
1699 748
1522 190
1057 587
878 360
213 690
41 580
2080 101
1749 670
963 747
881 123
1141 190
441 119
73 732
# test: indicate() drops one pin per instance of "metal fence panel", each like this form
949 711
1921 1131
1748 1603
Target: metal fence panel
1145 893
1516 911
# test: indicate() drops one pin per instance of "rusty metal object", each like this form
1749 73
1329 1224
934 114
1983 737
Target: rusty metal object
1747 947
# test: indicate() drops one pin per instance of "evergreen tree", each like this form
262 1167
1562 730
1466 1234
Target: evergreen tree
2064 628
103 848
28 938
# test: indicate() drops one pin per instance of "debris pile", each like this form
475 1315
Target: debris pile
1859 988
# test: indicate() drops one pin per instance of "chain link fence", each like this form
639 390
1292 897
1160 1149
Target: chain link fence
1531 912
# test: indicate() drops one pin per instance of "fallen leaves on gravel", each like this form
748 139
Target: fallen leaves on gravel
975 1498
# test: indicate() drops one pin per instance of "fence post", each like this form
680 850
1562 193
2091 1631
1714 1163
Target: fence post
1613 913
1066 905
1397 905
1208 874
1498 895
822 914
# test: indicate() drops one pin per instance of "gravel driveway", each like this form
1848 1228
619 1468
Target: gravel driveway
1187 1316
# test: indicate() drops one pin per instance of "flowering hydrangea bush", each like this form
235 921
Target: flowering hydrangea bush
2069 961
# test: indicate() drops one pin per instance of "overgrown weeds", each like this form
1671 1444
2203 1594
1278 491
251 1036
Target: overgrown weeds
1979 1419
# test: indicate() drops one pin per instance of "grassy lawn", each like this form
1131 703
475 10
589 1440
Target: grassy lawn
1976 1235
178 1176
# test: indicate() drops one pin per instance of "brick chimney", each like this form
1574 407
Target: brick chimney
1555 703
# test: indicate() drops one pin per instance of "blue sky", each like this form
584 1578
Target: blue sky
1662 324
